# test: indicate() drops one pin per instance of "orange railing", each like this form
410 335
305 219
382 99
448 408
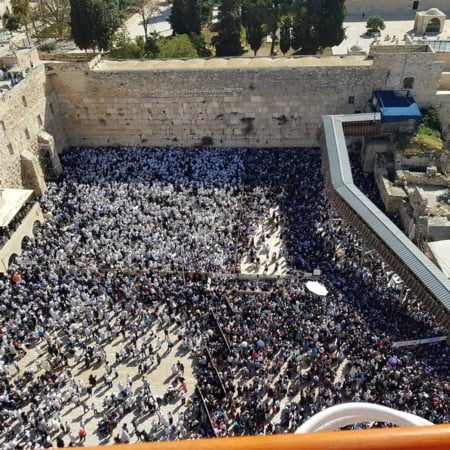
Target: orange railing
404 438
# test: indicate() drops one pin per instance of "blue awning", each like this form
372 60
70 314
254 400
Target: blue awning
396 108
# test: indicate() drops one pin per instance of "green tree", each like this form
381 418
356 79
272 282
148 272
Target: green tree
125 48
330 20
94 22
228 38
430 118
285 36
317 24
276 11
51 16
304 33
375 24
22 10
12 23
198 41
255 35
185 17
178 46
205 10
253 17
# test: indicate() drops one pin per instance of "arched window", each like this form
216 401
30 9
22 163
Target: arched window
24 100
408 83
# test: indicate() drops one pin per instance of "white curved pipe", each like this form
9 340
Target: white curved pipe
339 416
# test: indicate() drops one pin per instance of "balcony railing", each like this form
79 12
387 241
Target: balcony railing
405 438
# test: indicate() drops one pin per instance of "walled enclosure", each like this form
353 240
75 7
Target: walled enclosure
236 102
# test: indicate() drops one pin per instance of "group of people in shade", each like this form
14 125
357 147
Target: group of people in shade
142 249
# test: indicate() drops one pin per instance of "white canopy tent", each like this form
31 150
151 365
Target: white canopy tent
11 201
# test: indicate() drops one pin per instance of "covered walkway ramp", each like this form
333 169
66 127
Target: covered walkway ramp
427 282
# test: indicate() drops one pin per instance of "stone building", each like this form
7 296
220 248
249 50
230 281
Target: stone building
430 21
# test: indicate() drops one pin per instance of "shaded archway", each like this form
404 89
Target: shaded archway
433 26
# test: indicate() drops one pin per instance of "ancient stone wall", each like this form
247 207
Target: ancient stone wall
226 107
393 197
25 110
421 66
443 105
225 102
242 105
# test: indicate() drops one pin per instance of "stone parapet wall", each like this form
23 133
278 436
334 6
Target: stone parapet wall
395 49
445 58
439 232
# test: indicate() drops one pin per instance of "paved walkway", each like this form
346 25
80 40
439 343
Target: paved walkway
269 258
158 22
394 33
160 378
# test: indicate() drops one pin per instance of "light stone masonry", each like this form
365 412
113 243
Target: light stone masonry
263 102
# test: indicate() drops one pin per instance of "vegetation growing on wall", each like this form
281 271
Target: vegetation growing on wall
427 137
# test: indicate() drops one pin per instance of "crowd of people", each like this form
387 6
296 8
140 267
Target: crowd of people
144 247
7 231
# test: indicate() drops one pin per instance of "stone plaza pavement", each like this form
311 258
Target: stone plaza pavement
396 28
160 378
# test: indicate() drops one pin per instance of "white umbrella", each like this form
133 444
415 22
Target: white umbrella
316 288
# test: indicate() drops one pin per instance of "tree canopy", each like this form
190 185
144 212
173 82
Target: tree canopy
254 15
12 23
22 10
228 38
94 22
53 16
375 24
185 17
178 46
317 24
285 36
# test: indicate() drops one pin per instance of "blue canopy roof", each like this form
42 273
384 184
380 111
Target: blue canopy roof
396 108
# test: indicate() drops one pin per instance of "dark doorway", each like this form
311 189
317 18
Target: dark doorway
434 26
415 5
